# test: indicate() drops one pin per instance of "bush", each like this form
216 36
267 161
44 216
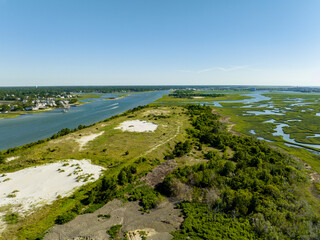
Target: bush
93 208
126 175
104 216
11 218
148 197
114 231
181 148
65 217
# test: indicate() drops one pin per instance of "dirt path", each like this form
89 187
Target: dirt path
161 143
226 120
159 173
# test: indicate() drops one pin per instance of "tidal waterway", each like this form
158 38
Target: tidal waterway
258 96
33 127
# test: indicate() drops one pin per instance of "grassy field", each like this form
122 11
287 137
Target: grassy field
113 150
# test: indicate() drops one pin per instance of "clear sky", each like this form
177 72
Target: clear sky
153 42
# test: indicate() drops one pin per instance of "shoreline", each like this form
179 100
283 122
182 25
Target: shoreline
19 113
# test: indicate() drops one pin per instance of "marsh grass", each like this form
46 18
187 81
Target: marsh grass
308 123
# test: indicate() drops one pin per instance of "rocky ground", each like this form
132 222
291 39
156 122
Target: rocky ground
157 224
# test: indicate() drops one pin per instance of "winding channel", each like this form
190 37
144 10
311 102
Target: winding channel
257 97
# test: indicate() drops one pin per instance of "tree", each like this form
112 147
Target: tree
5 107
122 178
228 168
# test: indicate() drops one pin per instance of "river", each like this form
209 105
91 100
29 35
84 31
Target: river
33 127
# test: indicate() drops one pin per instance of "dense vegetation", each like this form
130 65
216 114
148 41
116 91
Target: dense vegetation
254 193
192 93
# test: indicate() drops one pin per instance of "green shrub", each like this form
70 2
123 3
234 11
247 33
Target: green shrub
148 197
105 216
11 218
92 208
114 231
65 217
202 223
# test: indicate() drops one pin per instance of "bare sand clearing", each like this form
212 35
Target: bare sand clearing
11 158
137 126
198 97
33 187
85 139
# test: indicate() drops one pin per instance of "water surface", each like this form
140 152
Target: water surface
33 127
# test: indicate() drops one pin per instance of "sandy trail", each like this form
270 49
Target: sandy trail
83 141
161 143
158 174
225 119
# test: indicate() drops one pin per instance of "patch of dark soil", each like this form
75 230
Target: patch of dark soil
158 174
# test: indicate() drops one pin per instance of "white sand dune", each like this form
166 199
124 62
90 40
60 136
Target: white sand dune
12 158
137 126
34 187
85 139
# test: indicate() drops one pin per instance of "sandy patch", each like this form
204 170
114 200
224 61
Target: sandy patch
198 97
137 126
9 159
85 139
138 234
34 187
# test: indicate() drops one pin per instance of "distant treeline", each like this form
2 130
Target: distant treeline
192 93
13 93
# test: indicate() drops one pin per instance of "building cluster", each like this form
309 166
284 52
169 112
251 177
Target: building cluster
46 103
30 104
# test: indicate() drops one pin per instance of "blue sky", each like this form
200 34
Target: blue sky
138 42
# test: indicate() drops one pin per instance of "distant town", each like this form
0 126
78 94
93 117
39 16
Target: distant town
23 101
